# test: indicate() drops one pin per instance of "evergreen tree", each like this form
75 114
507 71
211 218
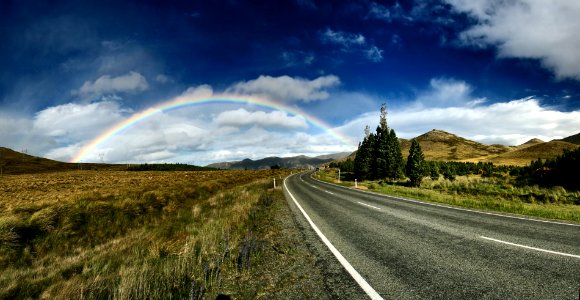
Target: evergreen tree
395 157
415 161
434 170
380 162
364 156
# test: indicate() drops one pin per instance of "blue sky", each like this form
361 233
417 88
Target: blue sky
488 70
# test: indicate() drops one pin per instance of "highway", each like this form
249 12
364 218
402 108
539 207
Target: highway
414 250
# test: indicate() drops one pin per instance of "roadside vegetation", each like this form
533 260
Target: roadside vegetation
149 235
545 188
500 194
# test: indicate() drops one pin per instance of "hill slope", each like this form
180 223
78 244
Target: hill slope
265 163
13 162
523 156
574 139
443 146
529 143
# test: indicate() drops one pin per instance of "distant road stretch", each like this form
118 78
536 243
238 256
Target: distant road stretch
413 250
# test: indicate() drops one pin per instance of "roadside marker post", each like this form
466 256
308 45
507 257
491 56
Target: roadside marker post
355 184
274 183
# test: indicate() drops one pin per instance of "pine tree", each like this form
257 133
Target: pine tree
434 170
415 161
380 162
395 156
364 155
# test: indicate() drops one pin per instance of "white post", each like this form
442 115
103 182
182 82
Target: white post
355 184
274 183
339 175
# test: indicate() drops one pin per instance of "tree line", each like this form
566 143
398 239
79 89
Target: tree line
559 171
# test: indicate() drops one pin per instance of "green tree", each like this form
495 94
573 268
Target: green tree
415 162
434 170
380 154
394 156
380 165
364 156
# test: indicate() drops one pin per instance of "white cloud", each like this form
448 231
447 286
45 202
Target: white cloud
374 54
286 88
536 29
77 121
353 42
448 105
345 39
131 82
200 91
242 117
446 92
379 11
162 78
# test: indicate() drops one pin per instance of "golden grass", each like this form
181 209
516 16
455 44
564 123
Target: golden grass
128 235
523 156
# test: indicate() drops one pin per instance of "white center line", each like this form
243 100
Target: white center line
532 248
329 192
369 205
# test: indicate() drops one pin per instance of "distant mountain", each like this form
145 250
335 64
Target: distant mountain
335 156
574 139
444 146
265 163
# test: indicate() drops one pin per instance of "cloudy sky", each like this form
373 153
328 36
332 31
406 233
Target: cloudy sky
488 70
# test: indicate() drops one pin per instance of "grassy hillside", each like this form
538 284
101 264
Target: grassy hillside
439 145
147 235
530 143
443 146
13 162
523 156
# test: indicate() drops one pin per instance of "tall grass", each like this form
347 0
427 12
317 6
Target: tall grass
492 194
174 236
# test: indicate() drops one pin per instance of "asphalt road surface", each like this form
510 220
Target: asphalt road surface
413 250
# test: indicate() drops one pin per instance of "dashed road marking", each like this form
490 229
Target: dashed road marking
369 205
529 247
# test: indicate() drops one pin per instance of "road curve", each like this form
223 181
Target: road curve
414 250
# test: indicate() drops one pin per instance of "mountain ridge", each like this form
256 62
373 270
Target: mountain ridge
439 145
300 161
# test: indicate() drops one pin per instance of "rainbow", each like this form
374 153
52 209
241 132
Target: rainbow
184 101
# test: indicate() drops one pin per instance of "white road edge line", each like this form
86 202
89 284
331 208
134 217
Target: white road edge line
349 268
369 205
528 247
450 207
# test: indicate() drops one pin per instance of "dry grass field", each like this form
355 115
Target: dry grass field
137 235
